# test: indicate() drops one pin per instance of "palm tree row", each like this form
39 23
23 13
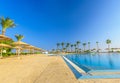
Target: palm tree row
7 23
67 47
75 48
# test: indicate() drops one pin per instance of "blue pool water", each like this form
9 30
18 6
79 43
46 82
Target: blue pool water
102 61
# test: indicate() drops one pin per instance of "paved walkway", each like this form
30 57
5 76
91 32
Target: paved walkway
56 72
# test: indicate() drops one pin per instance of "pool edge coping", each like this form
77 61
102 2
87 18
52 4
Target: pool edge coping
87 75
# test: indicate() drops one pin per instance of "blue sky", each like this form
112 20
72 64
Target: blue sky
46 22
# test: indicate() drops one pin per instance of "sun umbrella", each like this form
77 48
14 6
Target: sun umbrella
17 48
37 49
30 47
4 46
3 37
19 44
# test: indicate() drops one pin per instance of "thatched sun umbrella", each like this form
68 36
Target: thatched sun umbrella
4 46
38 49
19 44
3 37
30 47
17 48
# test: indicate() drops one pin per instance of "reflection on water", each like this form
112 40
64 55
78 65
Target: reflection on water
97 61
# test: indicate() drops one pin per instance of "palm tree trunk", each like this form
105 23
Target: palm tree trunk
71 49
75 50
1 53
89 47
109 47
78 46
57 47
3 32
66 49
97 48
84 48
62 48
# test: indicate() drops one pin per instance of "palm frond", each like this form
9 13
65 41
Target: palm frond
19 37
7 23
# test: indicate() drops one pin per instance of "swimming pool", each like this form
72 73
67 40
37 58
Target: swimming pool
97 64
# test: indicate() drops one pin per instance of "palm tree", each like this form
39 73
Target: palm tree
58 44
64 49
19 37
75 47
6 23
89 46
53 50
108 41
97 46
62 45
77 43
84 45
112 49
79 50
67 46
71 47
